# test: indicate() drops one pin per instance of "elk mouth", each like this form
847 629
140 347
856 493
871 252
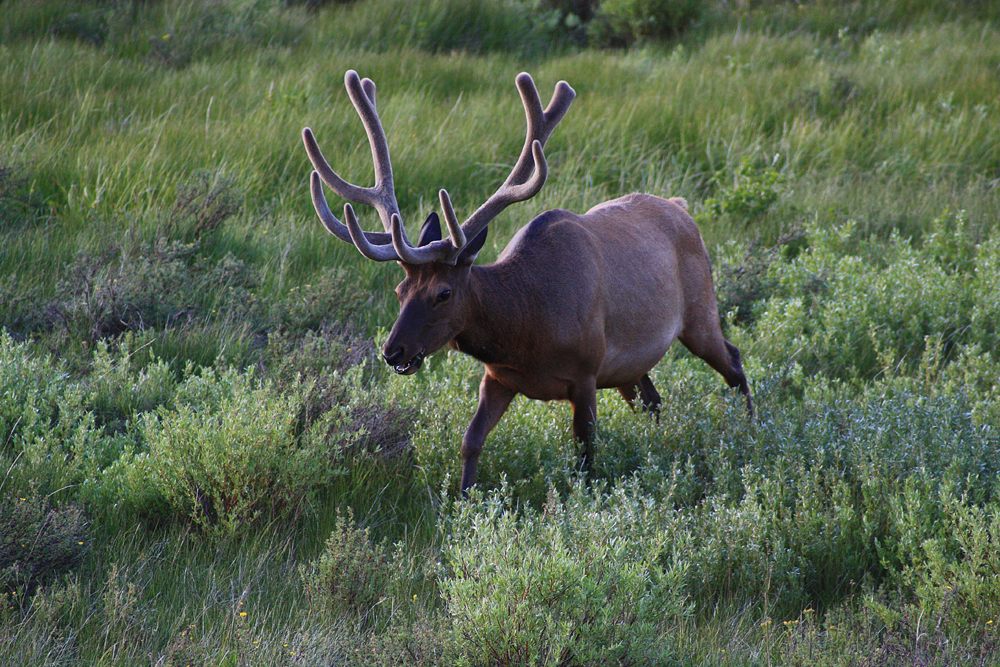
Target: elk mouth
410 367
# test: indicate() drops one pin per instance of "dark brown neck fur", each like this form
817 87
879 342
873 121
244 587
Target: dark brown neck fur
494 332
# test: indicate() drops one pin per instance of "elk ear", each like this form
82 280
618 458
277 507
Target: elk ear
472 248
431 231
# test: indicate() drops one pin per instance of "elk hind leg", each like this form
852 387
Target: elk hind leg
646 392
584 400
724 357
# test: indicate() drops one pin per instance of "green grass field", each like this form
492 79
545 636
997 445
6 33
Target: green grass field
204 461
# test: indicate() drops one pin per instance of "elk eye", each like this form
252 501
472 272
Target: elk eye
444 296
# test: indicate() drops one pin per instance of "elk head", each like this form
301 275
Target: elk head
434 295
433 301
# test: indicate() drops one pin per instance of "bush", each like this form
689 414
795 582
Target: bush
429 641
202 28
443 26
740 289
753 192
133 285
203 203
622 22
942 551
111 291
853 308
232 452
48 433
532 446
38 543
351 576
32 401
328 302
578 583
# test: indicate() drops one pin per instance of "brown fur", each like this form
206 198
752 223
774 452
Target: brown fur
575 303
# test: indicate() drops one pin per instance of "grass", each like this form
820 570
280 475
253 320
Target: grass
163 276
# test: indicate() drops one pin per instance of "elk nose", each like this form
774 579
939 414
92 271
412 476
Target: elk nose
394 357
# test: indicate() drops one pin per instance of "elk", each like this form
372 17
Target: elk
574 303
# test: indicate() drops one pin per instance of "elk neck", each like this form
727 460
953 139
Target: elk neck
498 323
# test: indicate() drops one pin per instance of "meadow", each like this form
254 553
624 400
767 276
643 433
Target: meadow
203 460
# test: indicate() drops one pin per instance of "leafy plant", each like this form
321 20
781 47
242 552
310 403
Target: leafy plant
351 575
232 452
578 583
622 22
753 192
112 291
741 288
38 543
204 202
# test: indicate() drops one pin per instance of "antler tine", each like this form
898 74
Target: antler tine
458 238
330 221
540 125
369 87
525 180
382 195
383 252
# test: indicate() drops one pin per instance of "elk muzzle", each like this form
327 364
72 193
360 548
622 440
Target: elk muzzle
403 361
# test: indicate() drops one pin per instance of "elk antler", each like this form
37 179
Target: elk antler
524 181
382 196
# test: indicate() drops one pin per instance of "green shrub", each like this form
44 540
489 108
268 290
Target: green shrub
741 288
90 27
38 543
428 641
329 301
50 436
351 575
232 451
120 386
941 550
853 308
32 400
203 203
622 22
532 446
793 539
577 583
583 10
753 192
110 291
175 282
198 29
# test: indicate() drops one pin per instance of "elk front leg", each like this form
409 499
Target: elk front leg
494 398
584 400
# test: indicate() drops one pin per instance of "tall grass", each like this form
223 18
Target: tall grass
173 318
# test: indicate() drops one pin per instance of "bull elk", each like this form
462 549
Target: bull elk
575 303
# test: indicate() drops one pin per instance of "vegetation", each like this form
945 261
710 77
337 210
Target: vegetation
202 460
